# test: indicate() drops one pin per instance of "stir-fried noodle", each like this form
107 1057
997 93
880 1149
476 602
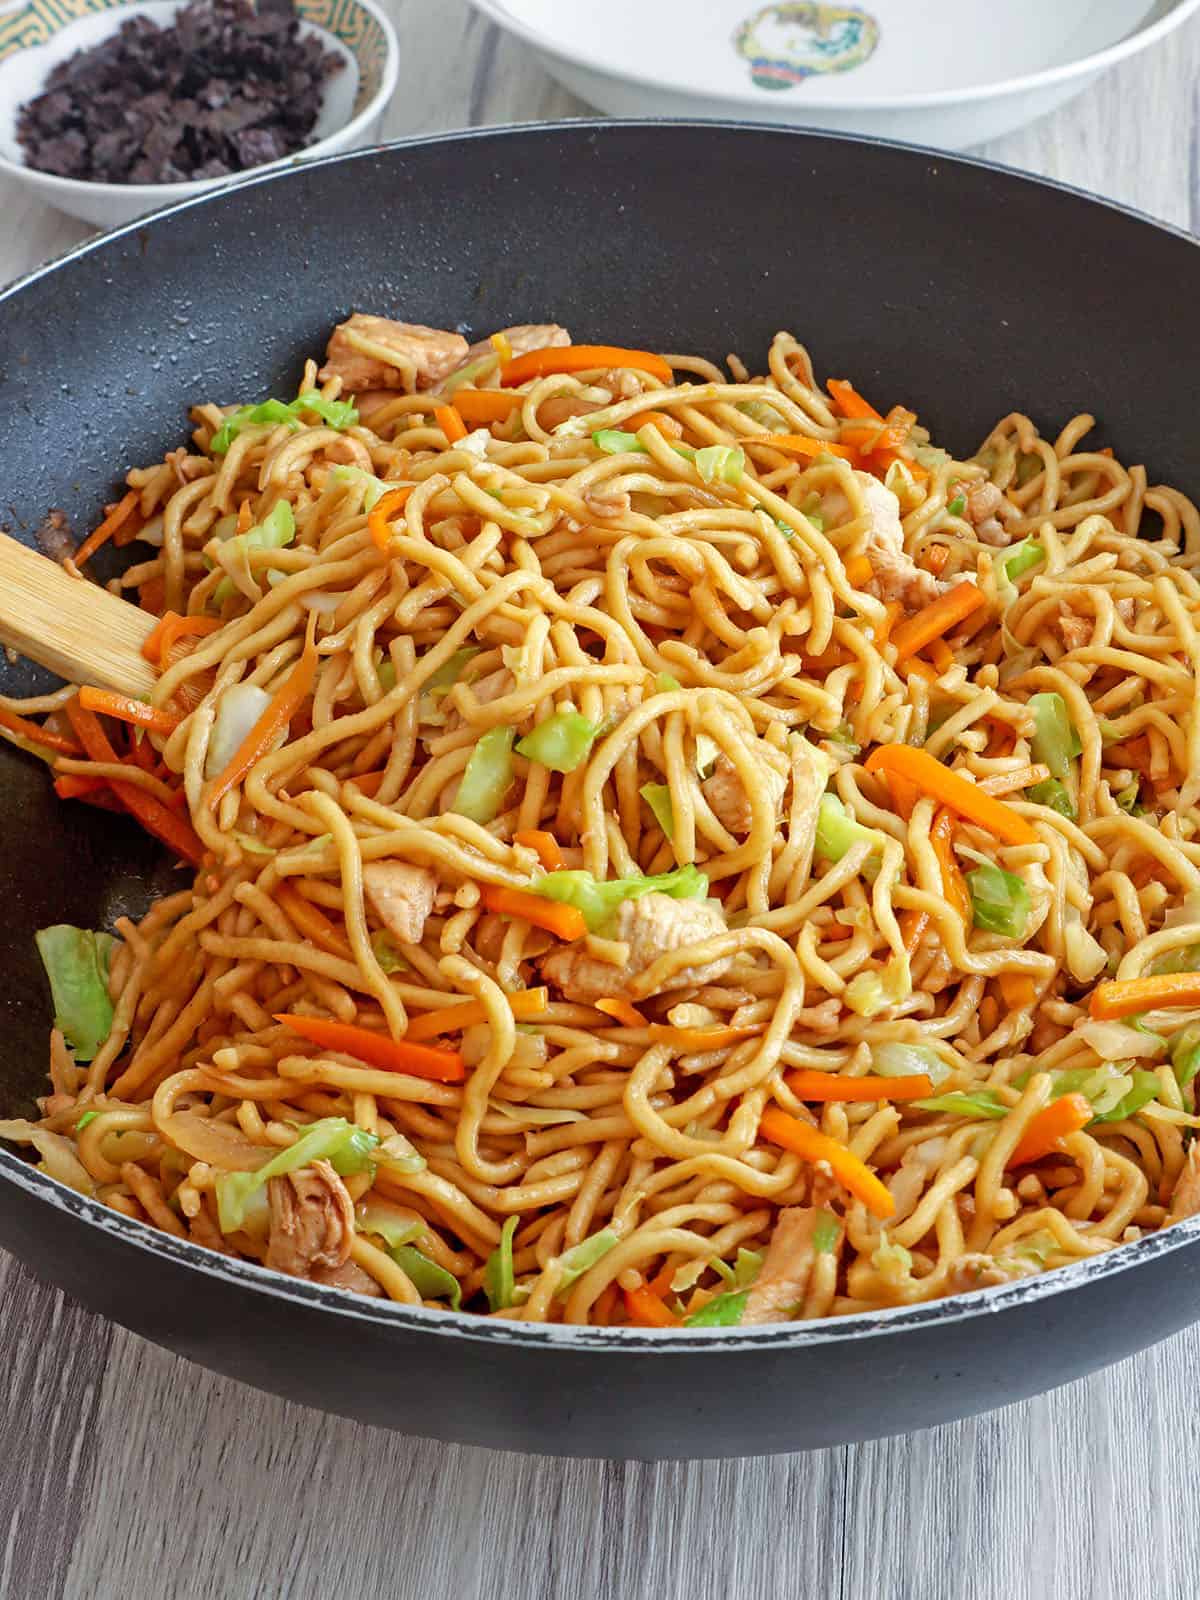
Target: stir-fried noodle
661 846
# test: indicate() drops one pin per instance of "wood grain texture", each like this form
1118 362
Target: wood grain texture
164 1481
70 625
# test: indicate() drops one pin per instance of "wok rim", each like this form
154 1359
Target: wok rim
472 1328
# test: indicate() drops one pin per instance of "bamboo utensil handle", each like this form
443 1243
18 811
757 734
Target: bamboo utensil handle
75 628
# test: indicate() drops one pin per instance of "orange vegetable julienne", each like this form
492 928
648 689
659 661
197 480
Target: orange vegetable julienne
1017 990
859 571
481 407
1124 997
119 514
647 1310
377 1049
544 844
563 920
622 1011
952 789
171 628
904 795
941 655
810 1144
954 885
600 1316
1046 1130
935 558
71 786
892 613
524 1004
667 426
912 930
382 513
36 734
799 444
368 782
937 618
152 595
849 402
312 922
697 1039
809 1084
451 424
155 817
581 358
126 709
295 689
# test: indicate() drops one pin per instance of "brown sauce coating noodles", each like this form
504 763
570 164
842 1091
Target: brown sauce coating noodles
692 620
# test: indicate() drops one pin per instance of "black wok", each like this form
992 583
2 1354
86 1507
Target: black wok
962 289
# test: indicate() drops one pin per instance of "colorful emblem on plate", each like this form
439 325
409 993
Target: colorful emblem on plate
786 44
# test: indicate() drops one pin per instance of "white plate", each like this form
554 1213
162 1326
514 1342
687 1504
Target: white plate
945 72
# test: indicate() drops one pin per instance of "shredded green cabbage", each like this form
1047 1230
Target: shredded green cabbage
333 1139
658 797
1185 1054
1055 742
498 1279
838 831
76 962
978 1103
599 900
487 778
720 463
826 1233
371 489
999 900
895 1059
561 742
333 413
88 1116
666 684
869 993
429 1280
1020 558
1052 792
583 1257
723 1311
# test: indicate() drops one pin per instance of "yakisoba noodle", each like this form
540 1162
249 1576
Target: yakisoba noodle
909 745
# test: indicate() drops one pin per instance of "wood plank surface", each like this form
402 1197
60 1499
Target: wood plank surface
125 1472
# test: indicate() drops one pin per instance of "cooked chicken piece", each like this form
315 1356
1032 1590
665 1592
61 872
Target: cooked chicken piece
895 575
402 896
312 1221
975 1272
730 803
652 926
559 407
1185 1199
987 510
494 687
823 1019
524 337
372 402
779 1289
377 353
348 1276
1074 631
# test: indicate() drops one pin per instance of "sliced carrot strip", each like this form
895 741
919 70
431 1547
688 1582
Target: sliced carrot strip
809 1084
622 1011
1124 998
525 1003
312 922
953 790
545 844
937 618
170 629
941 655
581 358
799 444
368 782
152 595
383 512
73 786
36 734
126 709
1046 1131
859 571
600 1315
120 513
481 407
1017 990
812 1145
954 885
377 1049
296 688
669 427
565 921
451 424
912 930
647 1310
173 831
849 402
892 613
935 558
904 795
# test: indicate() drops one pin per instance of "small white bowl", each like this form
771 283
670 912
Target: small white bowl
36 37
942 72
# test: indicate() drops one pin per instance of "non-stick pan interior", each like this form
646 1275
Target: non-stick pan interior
962 291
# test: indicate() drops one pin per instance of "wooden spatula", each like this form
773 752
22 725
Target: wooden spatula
72 626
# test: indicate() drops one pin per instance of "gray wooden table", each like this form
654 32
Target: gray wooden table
126 1472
